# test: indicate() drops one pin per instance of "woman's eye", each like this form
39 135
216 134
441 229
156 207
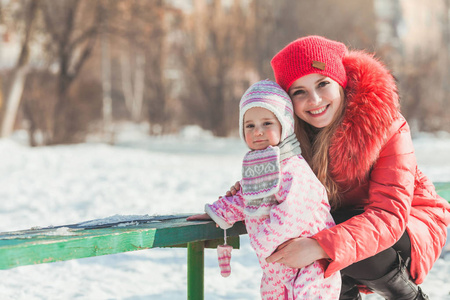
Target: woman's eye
298 92
323 83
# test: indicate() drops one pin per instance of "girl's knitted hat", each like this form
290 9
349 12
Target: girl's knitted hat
311 54
268 94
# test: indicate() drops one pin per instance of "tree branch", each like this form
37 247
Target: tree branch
49 22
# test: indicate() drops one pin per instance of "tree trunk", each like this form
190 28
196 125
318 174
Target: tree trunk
106 87
13 100
20 73
73 50
133 91
139 86
61 115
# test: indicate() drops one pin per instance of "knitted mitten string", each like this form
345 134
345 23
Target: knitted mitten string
224 255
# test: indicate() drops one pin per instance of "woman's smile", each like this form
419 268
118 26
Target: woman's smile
319 112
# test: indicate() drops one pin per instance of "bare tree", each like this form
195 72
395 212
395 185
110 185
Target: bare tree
72 26
107 114
213 61
156 85
133 91
133 23
39 98
140 37
21 69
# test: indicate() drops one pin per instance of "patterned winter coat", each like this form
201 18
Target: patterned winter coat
302 210
372 159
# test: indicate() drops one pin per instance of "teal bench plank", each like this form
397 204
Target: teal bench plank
443 189
36 246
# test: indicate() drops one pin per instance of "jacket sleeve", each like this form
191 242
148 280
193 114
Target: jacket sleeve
227 210
295 215
391 189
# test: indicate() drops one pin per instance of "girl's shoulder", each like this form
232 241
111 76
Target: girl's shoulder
295 166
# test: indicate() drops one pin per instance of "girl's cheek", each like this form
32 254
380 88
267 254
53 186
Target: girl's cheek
247 138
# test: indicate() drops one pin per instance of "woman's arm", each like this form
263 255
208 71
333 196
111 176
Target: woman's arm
390 194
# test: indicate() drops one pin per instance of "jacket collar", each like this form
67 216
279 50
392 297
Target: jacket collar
372 104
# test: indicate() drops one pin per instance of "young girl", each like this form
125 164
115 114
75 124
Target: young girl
280 198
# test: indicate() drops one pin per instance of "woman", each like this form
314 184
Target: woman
391 223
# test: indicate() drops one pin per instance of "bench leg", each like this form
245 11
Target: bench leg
195 270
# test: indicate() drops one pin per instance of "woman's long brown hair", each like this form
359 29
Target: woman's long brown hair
315 144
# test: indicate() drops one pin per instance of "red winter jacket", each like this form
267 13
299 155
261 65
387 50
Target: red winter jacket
372 159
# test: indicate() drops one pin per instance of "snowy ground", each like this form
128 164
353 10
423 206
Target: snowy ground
69 184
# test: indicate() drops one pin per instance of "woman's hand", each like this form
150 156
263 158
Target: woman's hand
298 253
234 189
199 217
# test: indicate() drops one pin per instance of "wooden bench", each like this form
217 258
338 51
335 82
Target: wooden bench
60 243
443 189
44 245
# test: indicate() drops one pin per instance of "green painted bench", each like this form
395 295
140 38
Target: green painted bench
44 245
443 189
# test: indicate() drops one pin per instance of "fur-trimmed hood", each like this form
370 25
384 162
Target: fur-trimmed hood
372 104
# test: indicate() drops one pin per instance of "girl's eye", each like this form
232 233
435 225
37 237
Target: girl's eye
249 126
267 123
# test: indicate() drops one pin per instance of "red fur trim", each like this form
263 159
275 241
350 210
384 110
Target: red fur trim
372 104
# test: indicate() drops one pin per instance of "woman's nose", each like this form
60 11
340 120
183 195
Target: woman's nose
315 98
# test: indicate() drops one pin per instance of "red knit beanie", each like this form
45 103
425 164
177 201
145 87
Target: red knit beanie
311 54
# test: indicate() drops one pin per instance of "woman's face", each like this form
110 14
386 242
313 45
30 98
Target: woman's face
316 99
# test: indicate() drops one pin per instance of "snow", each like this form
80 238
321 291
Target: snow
140 177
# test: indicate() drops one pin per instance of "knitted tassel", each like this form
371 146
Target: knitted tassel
224 255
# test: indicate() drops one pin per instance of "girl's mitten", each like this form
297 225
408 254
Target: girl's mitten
224 254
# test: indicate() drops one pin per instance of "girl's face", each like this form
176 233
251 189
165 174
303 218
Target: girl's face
261 128
316 99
